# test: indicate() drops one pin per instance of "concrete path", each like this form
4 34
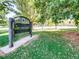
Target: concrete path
4 29
54 27
6 49
47 27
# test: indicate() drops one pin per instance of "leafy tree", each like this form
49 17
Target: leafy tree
49 9
26 8
6 6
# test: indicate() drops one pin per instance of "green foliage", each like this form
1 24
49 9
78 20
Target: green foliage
45 9
55 9
3 22
1 7
27 9
5 8
42 10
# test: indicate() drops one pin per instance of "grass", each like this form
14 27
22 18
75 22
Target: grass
50 45
3 31
4 38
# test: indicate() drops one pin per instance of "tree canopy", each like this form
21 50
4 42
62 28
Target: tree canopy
49 9
5 8
42 10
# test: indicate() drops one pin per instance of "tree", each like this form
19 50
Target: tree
48 9
6 6
26 8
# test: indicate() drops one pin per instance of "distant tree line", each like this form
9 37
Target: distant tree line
41 10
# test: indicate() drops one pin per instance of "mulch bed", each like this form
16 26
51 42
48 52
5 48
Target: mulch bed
73 37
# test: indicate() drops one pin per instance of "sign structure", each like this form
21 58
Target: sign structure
17 25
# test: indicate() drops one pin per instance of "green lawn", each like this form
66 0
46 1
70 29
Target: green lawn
50 45
4 38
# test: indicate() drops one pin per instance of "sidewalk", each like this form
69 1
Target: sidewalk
47 27
5 50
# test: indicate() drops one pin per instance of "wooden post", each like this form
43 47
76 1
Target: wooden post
11 32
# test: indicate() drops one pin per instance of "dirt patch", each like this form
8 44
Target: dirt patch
73 37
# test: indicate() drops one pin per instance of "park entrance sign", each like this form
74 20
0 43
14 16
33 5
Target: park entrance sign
17 25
